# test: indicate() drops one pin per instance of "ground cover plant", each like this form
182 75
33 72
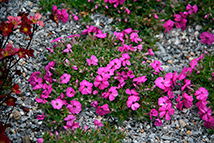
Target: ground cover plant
111 73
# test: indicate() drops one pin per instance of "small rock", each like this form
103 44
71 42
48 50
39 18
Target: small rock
182 123
198 27
170 61
188 132
17 115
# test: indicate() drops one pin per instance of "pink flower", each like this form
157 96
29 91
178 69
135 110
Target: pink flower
132 92
125 59
73 36
167 111
92 61
50 65
170 94
207 38
124 48
192 9
70 119
68 49
15 20
76 18
127 11
94 103
153 112
102 110
158 122
63 15
36 83
57 103
150 53
180 22
134 38
40 140
156 66
104 35
35 19
130 74
85 87
163 101
73 126
187 100
139 80
56 40
187 83
74 107
70 92
97 123
101 82
168 25
209 123
41 117
179 105
115 64
155 16
119 36
201 94
65 78
204 112
131 102
112 93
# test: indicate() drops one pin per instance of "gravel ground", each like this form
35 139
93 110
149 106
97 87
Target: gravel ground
176 50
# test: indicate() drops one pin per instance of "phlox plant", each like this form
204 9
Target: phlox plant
96 74
195 82
9 54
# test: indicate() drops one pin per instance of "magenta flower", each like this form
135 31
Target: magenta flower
104 35
70 119
209 123
163 101
204 112
192 9
124 48
167 111
179 105
168 25
139 80
101 82
130 74
41 117
70 92
50 65
131 102
187 83
76 18
57 103
125 59
112 93
119 36
158 122
39 100
127 11
92 61
94 103
85 87
187 100
40 140
153 112
62 15
97 123
170 94
115 64
159 82
201 94
36 83
134 37
132 92
156 66
73 126
56 40
68 49
65 78
74 107
180 22
207 38
102 110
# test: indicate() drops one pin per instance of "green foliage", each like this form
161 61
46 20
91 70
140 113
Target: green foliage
108 134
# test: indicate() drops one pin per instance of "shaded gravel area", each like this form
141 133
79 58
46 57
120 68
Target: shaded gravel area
176 50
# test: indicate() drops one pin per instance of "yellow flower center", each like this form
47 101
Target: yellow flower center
25 29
